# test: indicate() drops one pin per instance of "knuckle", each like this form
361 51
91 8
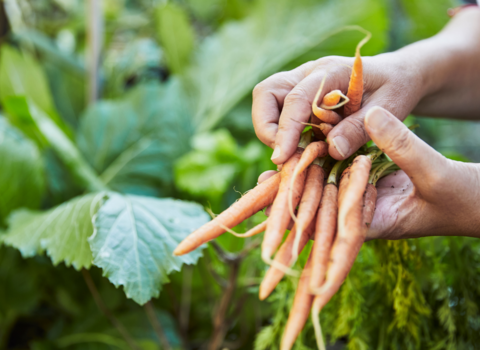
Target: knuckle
328 60
297 95
258 89
400 142
359 131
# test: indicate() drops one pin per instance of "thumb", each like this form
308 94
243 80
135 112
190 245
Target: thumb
419 161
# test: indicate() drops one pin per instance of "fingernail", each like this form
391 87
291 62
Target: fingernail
276 152
377 119
342 145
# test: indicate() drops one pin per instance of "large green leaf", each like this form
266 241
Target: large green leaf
133 143
62 231
231 62
22 179
176 35
135 237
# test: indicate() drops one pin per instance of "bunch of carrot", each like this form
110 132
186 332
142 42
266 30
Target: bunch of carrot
330 202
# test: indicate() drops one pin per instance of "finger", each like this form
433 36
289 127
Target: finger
348 136
297 107
421 163
268 98
266 175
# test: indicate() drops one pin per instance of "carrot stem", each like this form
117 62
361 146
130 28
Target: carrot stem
332 177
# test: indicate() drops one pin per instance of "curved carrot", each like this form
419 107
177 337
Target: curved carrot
355 86
253 201
332 98
351 230
325 229
312 194
314 150
324 112
250 233
283 257
300 309
279 218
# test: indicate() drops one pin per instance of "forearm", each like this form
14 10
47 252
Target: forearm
448 68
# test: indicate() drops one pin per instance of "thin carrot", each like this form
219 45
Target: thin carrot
252 202
332 98
314 150
355 86
283 257
325 229
300 309
312 194
250 233
279 219
324 112
351 232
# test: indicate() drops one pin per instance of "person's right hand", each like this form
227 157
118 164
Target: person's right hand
431 196
285 99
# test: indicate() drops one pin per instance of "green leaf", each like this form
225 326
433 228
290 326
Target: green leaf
14 272
22 178
61 232
229 64
176 35
33 120
135 237
21 75
134 142
209 169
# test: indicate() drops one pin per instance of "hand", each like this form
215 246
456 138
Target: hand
283 101
431 196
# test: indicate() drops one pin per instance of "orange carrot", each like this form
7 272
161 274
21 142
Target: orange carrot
325 228
355 86
252 202
279 218
312 194
314 150
324 112
351 230
250 233
300 309
332 98
284 255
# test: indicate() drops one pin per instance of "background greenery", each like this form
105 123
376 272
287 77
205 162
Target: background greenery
87 219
